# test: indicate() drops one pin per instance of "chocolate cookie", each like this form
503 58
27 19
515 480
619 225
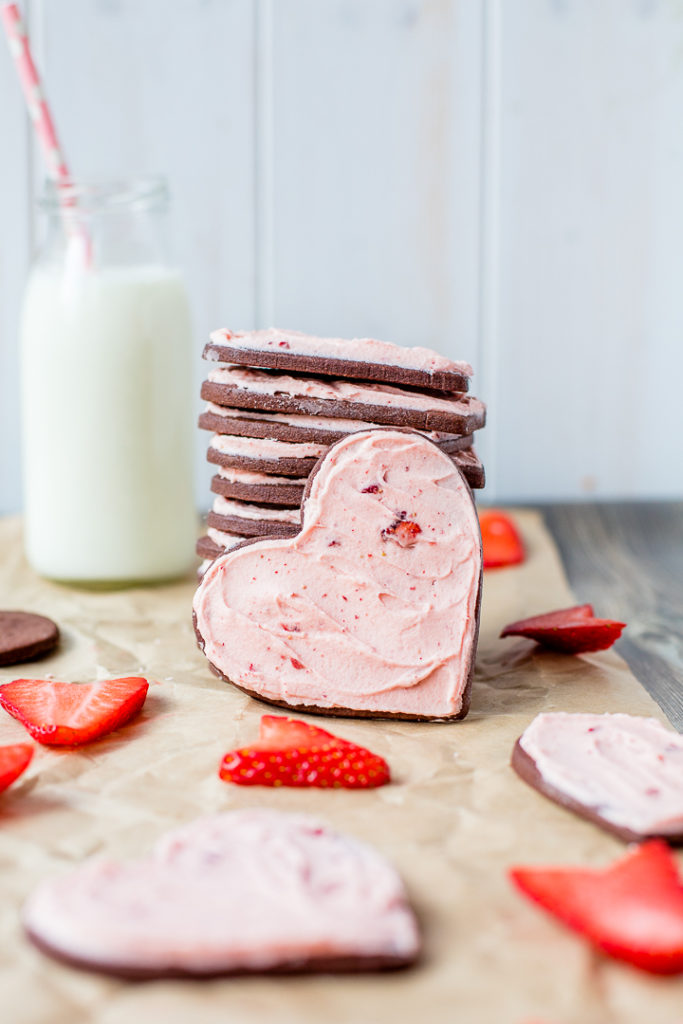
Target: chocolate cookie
381 404
24 636
264 455
228 483
621 772
356 358
324 430
253 520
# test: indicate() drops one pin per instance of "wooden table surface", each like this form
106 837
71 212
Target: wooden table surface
627 560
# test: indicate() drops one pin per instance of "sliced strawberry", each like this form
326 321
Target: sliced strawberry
14 759
293 753
68 714
632 910
500 539
570 630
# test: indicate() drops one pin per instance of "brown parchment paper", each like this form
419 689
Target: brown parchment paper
452 821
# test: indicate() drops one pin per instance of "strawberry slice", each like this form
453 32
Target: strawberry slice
292 753
14 759
500 539
632 910
68 714
570 630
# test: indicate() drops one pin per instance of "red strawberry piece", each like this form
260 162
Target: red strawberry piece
68 714
632 910
500 539
570 630
404 532
293 753
14 759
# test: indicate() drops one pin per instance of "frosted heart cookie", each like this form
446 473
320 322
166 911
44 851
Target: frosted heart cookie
384 404
373 607
324 430
623 772
251 891
356 358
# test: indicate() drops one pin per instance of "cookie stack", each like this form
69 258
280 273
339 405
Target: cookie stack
277 400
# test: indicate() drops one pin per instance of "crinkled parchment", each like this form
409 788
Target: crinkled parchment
452 821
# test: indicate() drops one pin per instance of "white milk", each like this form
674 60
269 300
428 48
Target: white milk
107 424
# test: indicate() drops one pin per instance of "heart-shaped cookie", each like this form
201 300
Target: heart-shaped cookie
247 891
373 608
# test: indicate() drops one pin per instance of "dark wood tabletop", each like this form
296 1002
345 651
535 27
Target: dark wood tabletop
627 560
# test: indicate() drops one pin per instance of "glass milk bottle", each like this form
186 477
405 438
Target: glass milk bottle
107 391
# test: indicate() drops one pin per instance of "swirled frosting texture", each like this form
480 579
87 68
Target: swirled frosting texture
373 605
245 890
627 769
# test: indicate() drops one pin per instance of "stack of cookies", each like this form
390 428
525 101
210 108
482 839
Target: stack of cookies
277 400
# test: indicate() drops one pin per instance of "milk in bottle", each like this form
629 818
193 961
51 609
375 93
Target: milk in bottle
107 393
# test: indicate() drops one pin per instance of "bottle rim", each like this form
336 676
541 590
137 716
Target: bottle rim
94 195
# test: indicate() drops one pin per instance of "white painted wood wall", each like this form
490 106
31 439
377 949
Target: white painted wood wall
499 179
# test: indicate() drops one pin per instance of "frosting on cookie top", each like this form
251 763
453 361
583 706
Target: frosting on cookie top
265 448
244 476
244 890
260 382
360 350
625 768
373 605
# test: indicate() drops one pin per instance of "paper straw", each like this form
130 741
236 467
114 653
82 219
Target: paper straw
33 93
79 249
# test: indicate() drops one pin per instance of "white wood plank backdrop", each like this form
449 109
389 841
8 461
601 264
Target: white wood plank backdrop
500 180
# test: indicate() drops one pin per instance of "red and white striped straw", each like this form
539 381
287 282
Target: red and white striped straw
33 93
79 249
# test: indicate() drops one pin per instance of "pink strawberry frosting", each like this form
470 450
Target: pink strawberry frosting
245 510
264 448
245 890
243 476
373 606
363 350
628 769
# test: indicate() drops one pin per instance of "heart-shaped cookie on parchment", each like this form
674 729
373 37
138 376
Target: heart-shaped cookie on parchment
241 892
373 608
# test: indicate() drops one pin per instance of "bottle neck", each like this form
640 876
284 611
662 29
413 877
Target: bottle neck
118 224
